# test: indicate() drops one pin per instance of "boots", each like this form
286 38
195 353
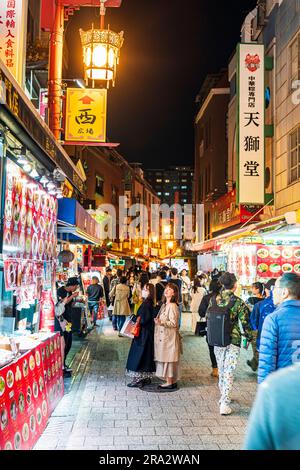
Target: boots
215 372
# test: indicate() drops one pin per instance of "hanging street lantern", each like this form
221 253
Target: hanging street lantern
101 52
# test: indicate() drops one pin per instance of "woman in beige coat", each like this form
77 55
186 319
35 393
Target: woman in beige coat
121 305
167 344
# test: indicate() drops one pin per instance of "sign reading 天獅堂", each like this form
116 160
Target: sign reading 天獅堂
251 124
86 115
13 24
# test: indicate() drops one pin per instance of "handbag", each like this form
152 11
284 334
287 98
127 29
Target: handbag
136 330
127 328
201 328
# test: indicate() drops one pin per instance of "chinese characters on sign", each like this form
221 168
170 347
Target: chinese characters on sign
86 115
13 18
251 123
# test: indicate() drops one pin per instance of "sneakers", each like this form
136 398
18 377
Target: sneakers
215 372
225 410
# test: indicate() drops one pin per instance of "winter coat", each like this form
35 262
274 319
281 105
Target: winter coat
166 336
121 304
258 315
197 298
280 339
141 353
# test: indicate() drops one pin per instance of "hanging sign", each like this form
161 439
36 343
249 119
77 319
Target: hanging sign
86 115
13 21
251 124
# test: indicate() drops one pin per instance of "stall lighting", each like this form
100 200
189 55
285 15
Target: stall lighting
51 185
34 174
52 192
22 160
27 167
44 180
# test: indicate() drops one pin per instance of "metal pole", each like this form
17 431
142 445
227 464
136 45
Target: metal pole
55 71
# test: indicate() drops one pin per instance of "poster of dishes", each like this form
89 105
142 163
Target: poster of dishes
30 218
274 261
25 393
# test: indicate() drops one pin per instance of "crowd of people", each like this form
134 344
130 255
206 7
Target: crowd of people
268 320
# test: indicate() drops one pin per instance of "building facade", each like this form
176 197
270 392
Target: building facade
211 142
172 184
287 166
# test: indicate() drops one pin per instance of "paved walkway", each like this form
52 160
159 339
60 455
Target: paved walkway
98 411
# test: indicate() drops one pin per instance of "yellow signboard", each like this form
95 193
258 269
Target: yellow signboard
86 115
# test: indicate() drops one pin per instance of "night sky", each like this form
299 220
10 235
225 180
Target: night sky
170 46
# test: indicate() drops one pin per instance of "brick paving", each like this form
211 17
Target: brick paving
98 411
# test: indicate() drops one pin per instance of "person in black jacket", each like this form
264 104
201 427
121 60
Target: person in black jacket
140 363
214 289
106 284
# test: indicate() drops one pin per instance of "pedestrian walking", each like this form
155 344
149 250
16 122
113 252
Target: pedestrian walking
106 284
257 296
67 294
178 282
225 314
95 295
185 290
279 344
214 290
160 289
167 340
257 317
274 422
197 294
114 282
140 363
121 304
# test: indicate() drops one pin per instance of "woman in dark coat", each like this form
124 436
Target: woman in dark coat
140 363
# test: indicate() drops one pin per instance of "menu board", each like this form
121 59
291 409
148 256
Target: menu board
274 261
30 388
30 218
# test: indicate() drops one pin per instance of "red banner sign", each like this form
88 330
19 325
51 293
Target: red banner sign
30 389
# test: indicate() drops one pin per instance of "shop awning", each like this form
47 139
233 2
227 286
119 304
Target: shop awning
75 225
254 230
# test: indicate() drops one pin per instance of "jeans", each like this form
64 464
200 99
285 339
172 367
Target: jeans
115 322
68 336
120 321
213 359
93 307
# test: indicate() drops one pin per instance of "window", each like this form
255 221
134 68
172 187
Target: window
159 181
167 181
167 194
99 185
294 157
294 60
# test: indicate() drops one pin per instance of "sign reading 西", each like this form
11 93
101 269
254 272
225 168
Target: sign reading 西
251 124
86 115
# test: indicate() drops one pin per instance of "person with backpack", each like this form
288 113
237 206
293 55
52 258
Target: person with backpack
214 290
258 295
225 314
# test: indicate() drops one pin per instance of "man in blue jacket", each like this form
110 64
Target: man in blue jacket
280 338
274 422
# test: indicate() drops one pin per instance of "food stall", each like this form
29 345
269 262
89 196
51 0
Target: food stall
32 168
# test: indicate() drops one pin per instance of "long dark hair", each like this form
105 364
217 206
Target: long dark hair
196 284
151 290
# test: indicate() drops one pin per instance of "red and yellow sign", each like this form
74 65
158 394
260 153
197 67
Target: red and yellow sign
86 115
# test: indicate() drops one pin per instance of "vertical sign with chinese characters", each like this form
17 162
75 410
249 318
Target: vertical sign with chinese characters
86 115
13 25
251 124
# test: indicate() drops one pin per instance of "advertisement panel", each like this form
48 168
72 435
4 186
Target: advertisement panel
251 124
